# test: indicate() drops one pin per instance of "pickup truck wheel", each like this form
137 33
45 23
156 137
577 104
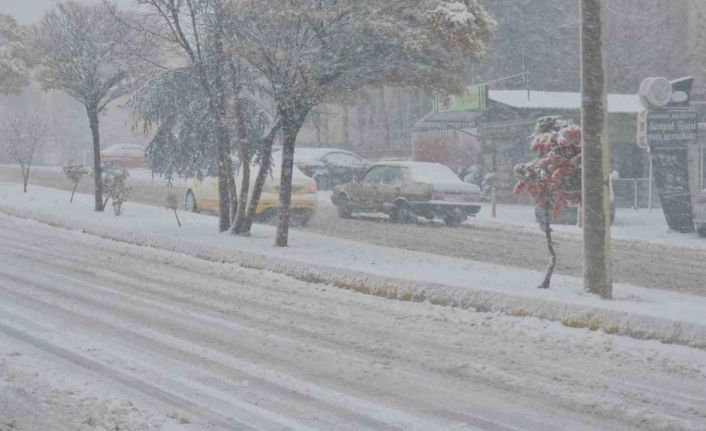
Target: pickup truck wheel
190 202
343 207
453 221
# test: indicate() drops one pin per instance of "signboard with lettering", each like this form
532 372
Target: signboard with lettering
474 98
668 133
671 128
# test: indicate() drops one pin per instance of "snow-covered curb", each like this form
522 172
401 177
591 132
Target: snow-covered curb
631 320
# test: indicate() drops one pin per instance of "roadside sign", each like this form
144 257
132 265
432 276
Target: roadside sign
669 133
671 128
474 98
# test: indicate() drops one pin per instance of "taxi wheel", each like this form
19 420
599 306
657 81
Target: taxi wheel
190 202
342 207
322 182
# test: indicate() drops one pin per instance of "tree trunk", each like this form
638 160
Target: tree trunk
292 122
224 189
73 191
547 224
385 117
245 159
97 170
177 218
595 155
226 183
25 177
233 196
262 174
216 95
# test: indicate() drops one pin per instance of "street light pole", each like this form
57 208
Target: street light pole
595 154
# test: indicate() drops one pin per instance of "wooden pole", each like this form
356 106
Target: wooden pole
595 154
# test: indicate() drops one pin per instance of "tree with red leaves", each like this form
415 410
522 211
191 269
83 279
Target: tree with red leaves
553 179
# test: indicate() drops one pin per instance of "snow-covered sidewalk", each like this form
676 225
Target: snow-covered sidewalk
384 271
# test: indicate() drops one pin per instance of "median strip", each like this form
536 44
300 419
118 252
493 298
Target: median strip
382 271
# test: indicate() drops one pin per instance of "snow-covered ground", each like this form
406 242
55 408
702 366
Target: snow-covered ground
630 224
102 335
156 226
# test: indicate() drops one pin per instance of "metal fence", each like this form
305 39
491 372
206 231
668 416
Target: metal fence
635 193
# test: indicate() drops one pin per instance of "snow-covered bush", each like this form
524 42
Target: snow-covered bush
74 172
553 178
173 204
116 189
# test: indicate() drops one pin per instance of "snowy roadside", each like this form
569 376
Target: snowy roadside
631 225
394 273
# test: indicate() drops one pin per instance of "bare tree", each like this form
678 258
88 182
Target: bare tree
313 50
24 133
596 151
86 53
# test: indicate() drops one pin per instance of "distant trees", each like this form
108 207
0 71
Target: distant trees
542 34
24 133
15 56
87 53
553 178
311 51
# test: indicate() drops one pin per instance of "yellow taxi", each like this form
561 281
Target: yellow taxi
202 195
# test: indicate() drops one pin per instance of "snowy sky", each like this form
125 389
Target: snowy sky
30 11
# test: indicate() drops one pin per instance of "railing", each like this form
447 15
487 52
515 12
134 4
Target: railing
635 193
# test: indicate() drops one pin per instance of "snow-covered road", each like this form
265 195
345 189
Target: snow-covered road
96 334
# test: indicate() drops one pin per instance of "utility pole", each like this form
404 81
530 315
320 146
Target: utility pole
598 278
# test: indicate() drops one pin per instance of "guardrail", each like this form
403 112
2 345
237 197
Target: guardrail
635 193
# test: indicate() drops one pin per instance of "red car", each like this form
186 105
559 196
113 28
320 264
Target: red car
123 156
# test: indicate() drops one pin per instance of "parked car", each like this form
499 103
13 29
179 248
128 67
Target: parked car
202 195
405 190
329 166
700 213
123 156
